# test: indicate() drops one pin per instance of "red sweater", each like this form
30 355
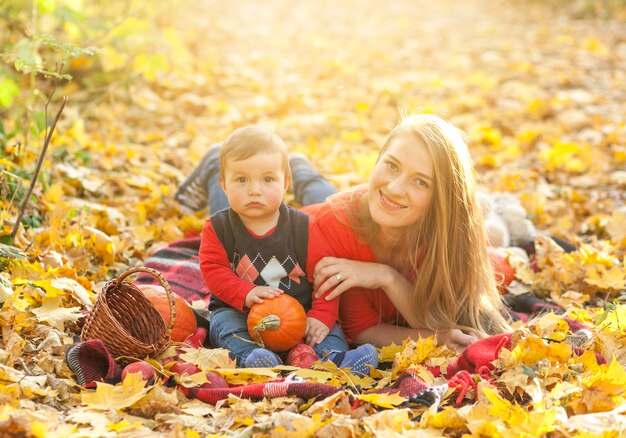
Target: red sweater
224 283
360 308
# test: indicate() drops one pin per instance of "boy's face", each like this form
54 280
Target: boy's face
255 188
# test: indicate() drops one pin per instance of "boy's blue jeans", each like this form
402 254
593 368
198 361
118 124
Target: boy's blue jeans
228 325
309 186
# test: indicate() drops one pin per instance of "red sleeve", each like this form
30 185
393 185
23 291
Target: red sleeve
357 310
322 310
217 273
364 308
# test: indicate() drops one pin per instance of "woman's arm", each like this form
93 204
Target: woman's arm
366 275
384 334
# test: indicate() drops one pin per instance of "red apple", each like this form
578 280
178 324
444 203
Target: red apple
146 370
197 339
184 368
169 359
215 380
505 273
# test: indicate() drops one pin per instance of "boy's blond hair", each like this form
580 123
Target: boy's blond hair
248 141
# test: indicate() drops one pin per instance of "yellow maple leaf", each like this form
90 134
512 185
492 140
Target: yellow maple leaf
124 424
388 352
53 312
424 350
613 278
536 423
242 376
615 319
603 391
612 381
383 400
448 418
120 396
551 326
531 350
46 285
208 358
385 423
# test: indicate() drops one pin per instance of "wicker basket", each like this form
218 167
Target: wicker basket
127 322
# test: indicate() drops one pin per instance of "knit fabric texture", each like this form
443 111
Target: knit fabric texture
91 362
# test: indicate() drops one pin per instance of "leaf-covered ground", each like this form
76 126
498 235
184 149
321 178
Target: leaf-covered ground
537 86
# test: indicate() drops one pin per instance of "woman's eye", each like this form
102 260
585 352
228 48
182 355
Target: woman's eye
390 165
420 182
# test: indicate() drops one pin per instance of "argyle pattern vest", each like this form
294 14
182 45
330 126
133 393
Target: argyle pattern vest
277 260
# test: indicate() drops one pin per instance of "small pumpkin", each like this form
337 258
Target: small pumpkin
505 273
277 323
185 323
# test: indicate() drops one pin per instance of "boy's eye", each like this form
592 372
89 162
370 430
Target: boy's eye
241 179
269 179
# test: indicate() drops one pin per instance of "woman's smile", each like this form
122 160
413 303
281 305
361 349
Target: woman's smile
387 202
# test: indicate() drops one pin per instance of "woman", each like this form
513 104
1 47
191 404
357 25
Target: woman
409 249
417 219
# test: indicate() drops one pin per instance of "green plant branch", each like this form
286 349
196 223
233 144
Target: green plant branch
38 168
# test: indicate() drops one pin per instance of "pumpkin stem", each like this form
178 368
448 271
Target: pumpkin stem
270 322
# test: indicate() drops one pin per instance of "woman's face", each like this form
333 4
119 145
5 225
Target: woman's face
401 186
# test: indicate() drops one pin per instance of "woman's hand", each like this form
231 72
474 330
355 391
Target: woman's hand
344 274
456 339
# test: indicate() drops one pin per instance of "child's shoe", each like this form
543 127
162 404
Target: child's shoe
193 191
261 358
302 355
358 360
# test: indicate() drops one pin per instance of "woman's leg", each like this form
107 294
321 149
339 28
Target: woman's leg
229 329
309 186
202 188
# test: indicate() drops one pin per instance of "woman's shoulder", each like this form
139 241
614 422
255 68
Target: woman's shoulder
335 211
333 220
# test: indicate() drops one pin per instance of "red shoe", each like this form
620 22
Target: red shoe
302 355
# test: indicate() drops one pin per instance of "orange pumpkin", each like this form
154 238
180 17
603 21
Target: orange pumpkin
278 323
185 323
505 273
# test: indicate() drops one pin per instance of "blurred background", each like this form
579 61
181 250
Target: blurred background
538 87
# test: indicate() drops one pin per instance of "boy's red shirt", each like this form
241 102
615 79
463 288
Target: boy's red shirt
226 284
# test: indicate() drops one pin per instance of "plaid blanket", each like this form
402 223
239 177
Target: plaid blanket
179 263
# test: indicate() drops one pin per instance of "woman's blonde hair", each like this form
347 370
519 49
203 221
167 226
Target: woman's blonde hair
454 284
251 140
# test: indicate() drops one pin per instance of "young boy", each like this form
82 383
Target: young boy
258 248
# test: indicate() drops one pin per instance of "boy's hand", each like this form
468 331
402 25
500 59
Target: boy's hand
316 331
257 294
